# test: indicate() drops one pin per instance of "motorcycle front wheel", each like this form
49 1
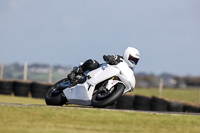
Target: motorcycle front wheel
101 102
54 96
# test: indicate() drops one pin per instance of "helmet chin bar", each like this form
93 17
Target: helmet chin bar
130 64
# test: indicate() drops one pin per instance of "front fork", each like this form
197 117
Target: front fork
112 82
60 87
107 88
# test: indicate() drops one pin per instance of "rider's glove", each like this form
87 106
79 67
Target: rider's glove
78 70
110 59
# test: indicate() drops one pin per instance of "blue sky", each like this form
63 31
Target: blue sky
67 32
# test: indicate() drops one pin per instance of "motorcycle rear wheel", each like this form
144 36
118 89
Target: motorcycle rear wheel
101 103
51 98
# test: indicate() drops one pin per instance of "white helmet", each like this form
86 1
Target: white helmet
131 56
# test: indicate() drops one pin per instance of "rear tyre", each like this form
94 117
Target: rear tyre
106 101
54 97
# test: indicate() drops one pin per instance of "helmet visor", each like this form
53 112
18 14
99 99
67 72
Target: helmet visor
133 59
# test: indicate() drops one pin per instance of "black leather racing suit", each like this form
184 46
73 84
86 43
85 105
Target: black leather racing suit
93 64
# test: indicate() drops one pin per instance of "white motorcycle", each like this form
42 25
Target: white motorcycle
98 88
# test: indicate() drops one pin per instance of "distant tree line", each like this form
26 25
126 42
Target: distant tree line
173 81
189 81
143 80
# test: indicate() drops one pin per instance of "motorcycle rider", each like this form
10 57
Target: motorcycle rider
131 57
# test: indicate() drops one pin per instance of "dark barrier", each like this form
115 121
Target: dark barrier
22 88
6 87
175 107
190 108
153 104
158 104
142 103
38 90
125 102
136 102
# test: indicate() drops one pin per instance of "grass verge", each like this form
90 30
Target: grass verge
24 100
41 119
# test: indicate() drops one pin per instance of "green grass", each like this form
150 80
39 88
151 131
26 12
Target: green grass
23 100
42 119
76 120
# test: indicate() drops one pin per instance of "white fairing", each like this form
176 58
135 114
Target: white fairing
127 75
79 94
82 93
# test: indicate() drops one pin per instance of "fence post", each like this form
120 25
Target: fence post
2 69
160 87
50 74
199 95
25 70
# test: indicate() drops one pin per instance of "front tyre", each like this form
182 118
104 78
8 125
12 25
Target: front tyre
106 101
54 96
